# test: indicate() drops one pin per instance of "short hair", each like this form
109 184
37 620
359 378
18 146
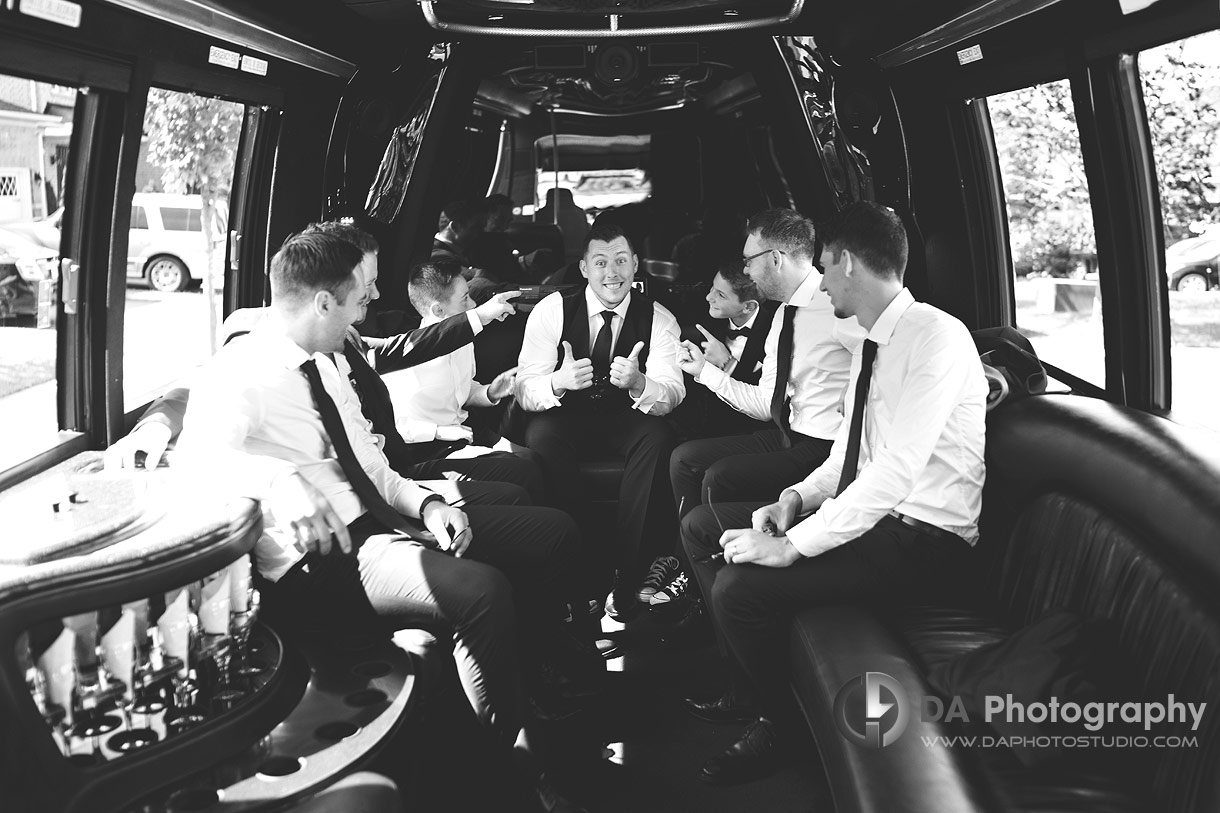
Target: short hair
432 281
787 230
604 230
872 232
314 261
742 286
463 214
346 229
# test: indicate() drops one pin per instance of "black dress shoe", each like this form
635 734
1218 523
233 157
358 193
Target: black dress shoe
723 709
753 756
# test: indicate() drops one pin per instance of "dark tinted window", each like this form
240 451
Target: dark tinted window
174 218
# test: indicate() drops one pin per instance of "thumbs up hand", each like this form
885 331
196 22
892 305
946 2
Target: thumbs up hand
573 374
625 372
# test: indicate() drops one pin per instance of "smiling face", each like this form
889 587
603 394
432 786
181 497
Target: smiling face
458 301
368 269
610 269
723 302
761 267
343 308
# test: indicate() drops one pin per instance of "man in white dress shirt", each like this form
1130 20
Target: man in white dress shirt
805 406
336 545
894 523
432 399
598 367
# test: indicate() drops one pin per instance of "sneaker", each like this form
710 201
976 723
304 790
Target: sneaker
662 572
673 591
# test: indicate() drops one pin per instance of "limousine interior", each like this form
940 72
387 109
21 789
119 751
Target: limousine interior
1041 153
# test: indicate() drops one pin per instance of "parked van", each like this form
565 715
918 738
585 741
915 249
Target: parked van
166 247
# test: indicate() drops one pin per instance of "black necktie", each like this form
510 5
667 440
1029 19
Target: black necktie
734 333
332 422
783 367
851 461
601 346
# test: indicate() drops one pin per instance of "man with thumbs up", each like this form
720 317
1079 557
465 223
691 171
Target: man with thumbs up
599 368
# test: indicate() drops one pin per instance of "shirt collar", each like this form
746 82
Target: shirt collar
279 347
807 290
748 323
429 319
595 307
883 328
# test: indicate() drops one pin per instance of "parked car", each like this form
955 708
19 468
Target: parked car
24 264
44 231
165 247
1193 264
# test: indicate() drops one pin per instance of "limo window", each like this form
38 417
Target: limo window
175 274
1181 87
1050 227
35 131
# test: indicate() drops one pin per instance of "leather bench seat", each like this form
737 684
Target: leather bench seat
1091 508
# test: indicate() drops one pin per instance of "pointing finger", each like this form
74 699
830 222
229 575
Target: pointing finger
705 332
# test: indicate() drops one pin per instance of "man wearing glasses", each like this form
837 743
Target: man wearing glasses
805 370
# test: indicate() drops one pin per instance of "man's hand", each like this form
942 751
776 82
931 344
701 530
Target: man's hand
502 384
714 350
300 507
625 372
743 546
498 308
690 358
779 516
449 525
149 438
573 374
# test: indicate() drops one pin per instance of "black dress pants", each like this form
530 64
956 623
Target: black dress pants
741 467
751 605
521 471
646 524
495 602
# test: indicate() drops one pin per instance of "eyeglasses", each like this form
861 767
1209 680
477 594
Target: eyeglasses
747 260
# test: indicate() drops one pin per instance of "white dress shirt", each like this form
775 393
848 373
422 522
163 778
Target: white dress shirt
430 398
252 419
921 450
822 347
737 345
663 385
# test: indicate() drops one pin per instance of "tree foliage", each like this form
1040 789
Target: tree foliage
193 140
1038 142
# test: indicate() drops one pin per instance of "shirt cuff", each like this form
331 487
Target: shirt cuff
650 395
711 376
810 537
475 324
431 498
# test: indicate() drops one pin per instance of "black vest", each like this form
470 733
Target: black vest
754 351
637 327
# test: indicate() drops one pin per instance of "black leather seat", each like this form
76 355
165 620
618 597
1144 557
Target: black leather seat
1089 507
